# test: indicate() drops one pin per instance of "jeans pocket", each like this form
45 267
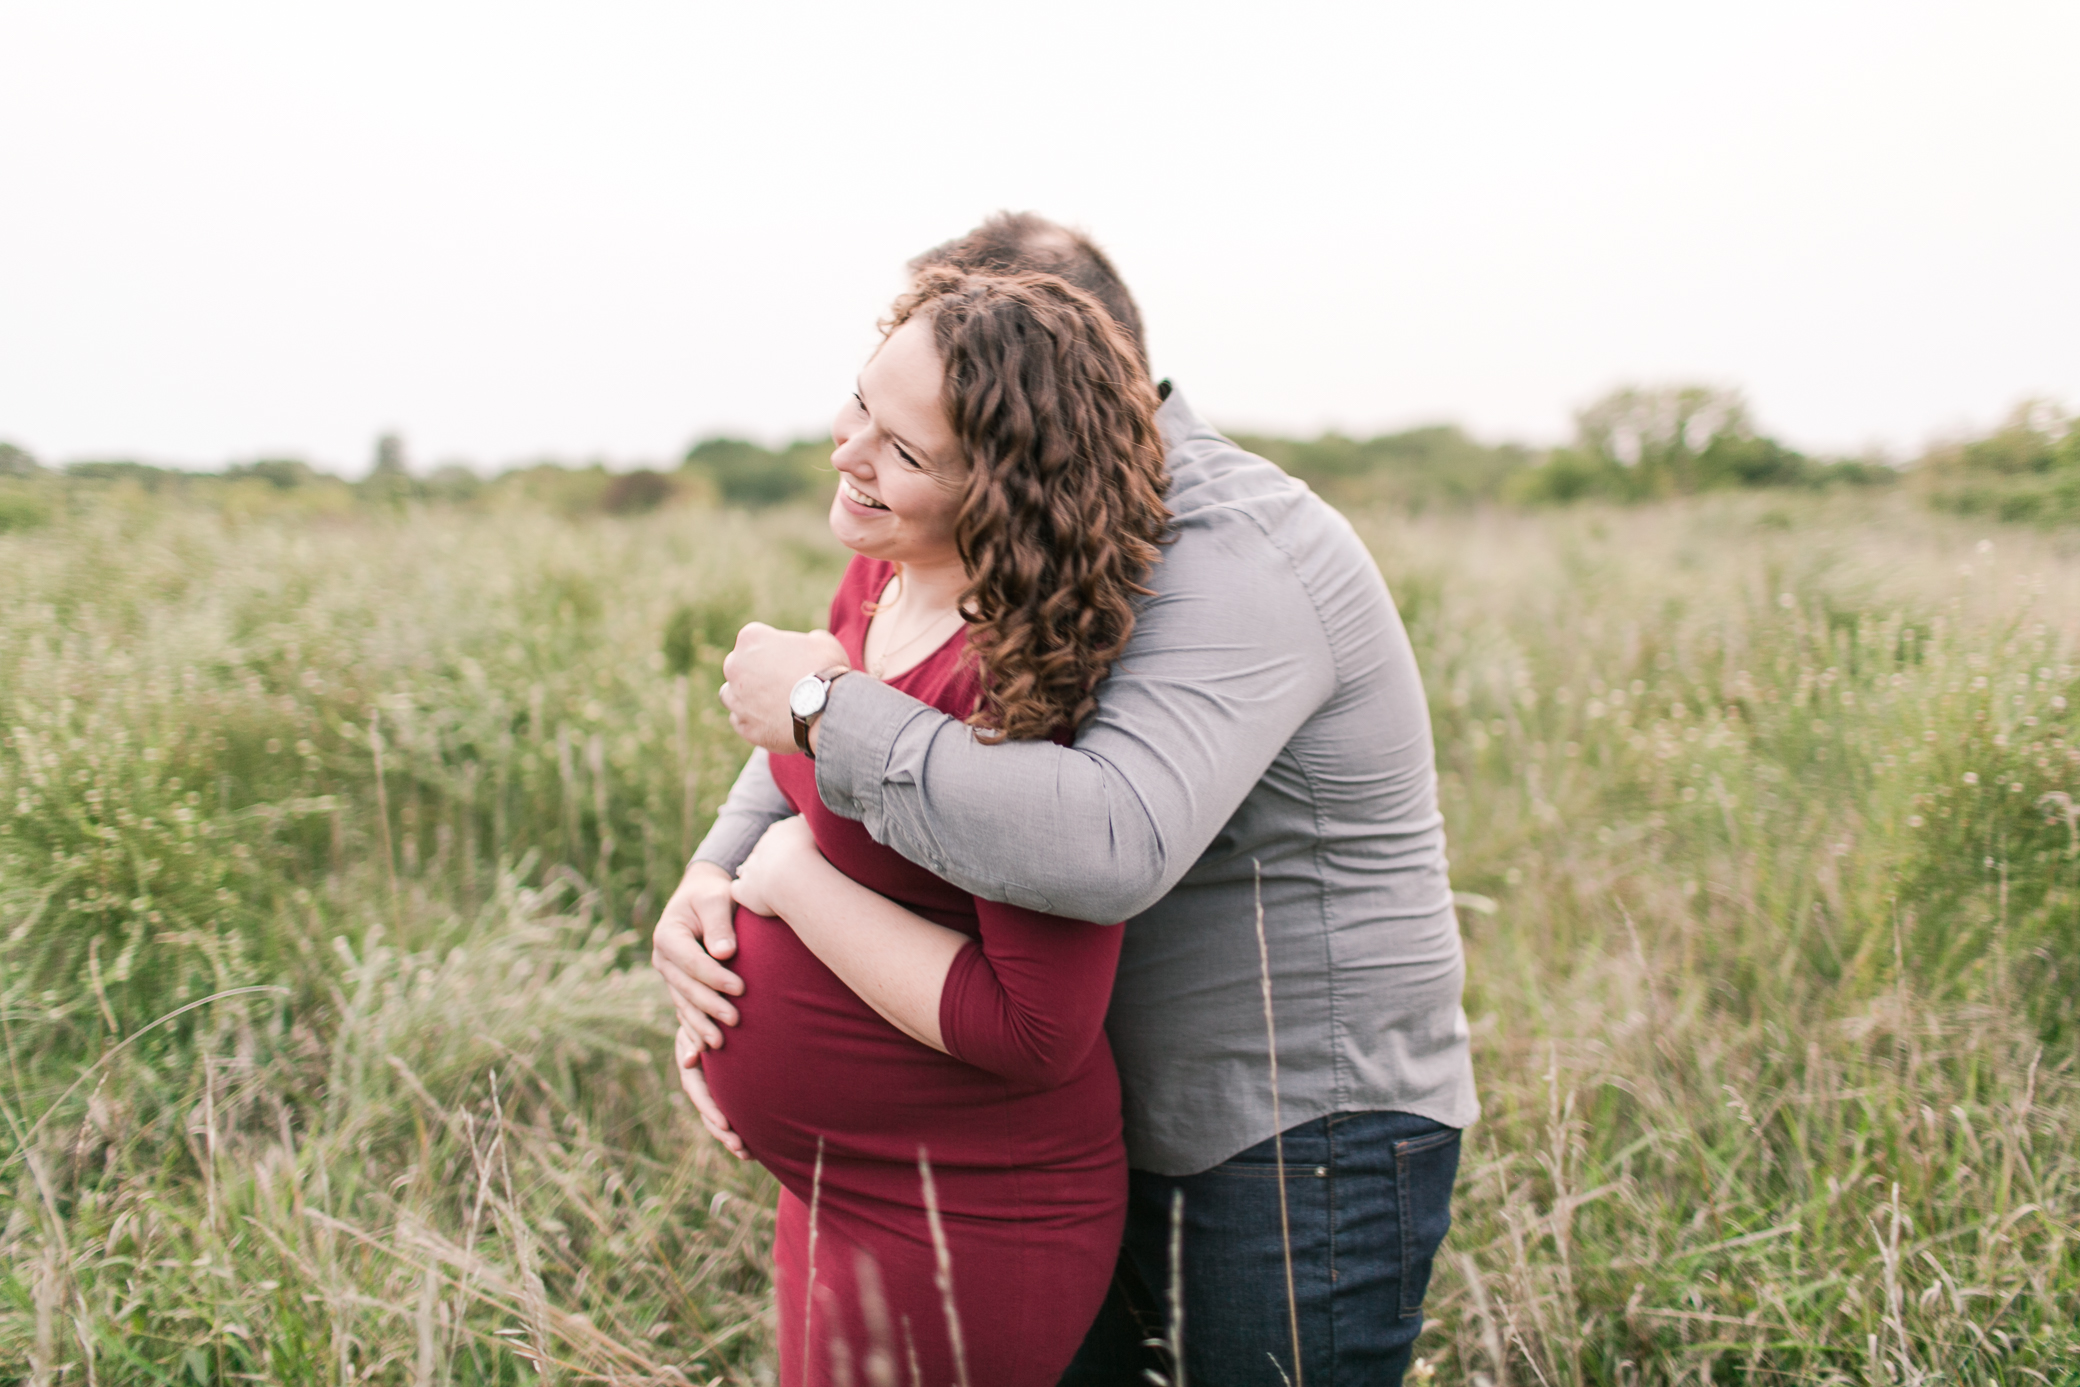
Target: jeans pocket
1424 1168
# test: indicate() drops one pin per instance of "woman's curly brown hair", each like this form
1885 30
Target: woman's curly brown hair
1063 505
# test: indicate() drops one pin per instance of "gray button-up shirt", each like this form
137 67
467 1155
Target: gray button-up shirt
1266 725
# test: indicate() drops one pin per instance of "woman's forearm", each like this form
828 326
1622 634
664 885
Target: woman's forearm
896 961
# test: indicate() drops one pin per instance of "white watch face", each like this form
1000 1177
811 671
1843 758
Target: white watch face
805 700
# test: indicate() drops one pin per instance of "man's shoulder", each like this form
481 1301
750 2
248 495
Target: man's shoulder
1209 472
1220 491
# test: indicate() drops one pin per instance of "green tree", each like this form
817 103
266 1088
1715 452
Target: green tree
284 474
1658 435
17 462
145 475
744 474
453 481
1638 444
389 479
2036 437
24 500
1418 468
632 493
2027 469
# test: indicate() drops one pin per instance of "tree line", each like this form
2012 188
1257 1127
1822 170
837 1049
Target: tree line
1634 444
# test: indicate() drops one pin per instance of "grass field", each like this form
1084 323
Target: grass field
1766 812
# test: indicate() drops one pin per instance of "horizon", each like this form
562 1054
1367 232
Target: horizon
510 233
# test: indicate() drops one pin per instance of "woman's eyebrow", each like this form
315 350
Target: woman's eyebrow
860 393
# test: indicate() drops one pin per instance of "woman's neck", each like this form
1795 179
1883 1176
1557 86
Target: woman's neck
922 603
929 588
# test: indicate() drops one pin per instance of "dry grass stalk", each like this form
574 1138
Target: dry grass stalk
1285 1227
809 1295
1174 1330
382 788
942 1255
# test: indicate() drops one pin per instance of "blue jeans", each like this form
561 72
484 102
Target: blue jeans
1368 1201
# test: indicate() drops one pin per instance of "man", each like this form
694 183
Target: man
1256 798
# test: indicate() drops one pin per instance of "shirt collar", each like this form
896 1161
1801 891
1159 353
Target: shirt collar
1177 419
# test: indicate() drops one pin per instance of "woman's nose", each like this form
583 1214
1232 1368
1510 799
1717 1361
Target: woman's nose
844 429
845 457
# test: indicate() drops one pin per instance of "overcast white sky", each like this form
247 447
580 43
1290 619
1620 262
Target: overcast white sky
509 230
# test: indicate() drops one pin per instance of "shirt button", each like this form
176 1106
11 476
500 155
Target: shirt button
1321 1172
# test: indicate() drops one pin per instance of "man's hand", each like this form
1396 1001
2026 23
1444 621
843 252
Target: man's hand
698 927
687 1050
760 673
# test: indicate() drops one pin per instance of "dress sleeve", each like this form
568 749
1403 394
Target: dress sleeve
1027 1001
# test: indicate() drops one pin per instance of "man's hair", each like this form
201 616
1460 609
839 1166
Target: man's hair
1013 243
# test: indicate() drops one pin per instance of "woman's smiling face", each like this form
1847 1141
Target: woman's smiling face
899 466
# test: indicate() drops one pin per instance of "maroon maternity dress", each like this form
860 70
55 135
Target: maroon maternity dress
1020 1123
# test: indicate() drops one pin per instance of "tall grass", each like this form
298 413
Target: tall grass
424 779
1764 812
1774 981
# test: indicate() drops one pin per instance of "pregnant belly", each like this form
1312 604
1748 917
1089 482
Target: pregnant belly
810 1059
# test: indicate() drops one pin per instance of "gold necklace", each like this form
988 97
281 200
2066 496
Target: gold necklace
878 667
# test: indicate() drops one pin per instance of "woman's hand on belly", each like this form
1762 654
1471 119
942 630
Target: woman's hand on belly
893 959
686 1050
785 855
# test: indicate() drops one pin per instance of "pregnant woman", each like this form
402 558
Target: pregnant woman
926 1072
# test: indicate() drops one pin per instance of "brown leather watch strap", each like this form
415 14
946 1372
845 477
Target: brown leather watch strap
801 724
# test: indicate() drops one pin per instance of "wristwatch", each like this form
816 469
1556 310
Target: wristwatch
806 702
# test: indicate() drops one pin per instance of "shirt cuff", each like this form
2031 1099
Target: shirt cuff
855 738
